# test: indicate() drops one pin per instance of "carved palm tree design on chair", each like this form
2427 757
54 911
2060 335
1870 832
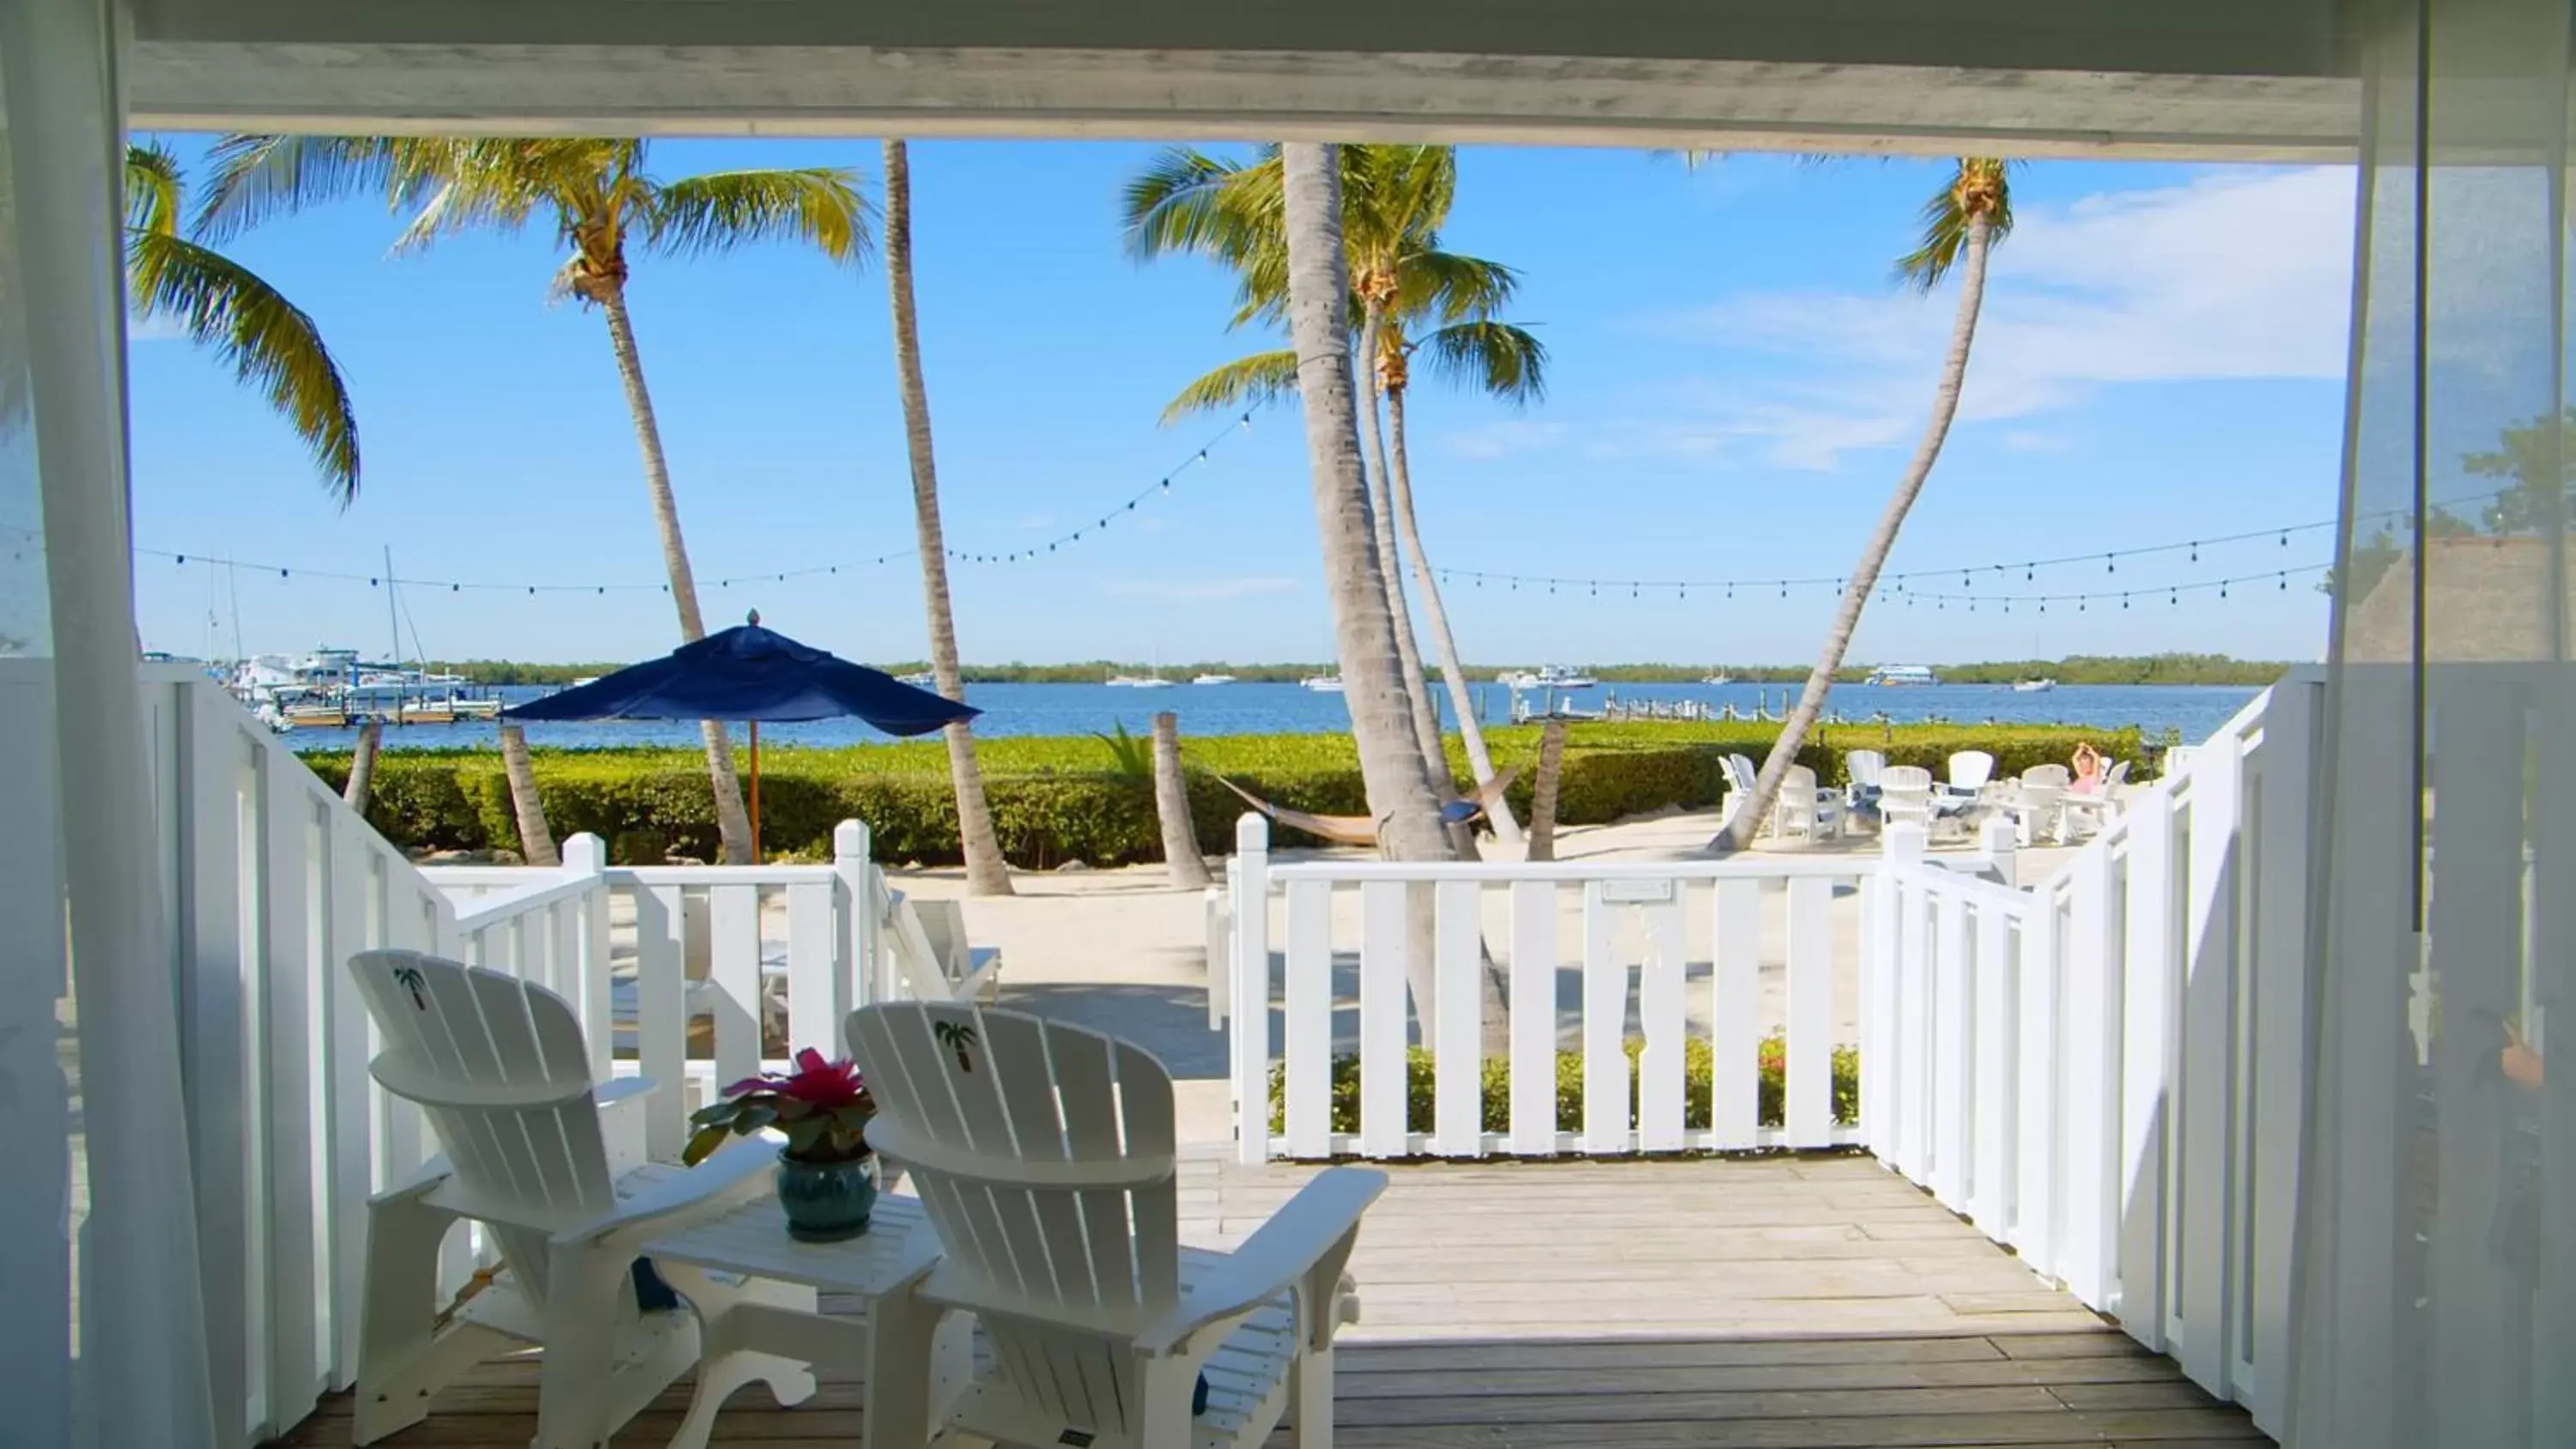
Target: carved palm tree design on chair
409 978
957 1037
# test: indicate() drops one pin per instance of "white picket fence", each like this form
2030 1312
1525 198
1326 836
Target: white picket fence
2105 1071
277 883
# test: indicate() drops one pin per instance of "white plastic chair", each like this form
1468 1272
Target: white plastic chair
1805 809
2095 809
1905 795
499 1068
1740 777
2043 794
1969 772
1044 1157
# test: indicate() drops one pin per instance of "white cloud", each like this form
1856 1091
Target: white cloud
1197 590
1503 439
2238 274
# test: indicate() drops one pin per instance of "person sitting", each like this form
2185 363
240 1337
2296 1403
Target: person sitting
2088 768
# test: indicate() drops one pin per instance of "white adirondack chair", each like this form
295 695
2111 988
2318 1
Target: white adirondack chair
1044 1157
1905 795
1969 772
2043 793
498 1067
932 956
1739 791
2094 810
1805 809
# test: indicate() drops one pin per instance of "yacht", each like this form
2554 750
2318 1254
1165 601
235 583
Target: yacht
921 679
1213 679
2034 686
1549 676
1322 683
1902 674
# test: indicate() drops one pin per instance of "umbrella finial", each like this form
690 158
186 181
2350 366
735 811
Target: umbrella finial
754 618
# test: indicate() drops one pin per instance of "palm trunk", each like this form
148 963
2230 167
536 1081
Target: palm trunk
362 765
987 874
1864 577
1181 858
536 839
733 826
1408 651
1393 769
1453 673
1551 773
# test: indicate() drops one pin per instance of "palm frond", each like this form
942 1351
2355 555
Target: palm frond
1264 377
1979 188
152 189
1452 288
1188 201
270 343
258 178
1497 358
820 206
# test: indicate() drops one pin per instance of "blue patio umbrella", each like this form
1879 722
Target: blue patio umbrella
751 674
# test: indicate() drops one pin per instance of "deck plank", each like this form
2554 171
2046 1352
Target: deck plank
1784 1303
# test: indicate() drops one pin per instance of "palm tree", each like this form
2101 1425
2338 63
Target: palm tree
1961 224
1395 198
1393 769
600 199
271 343
987 874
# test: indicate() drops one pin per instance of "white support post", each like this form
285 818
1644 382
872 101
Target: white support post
854 895
2000 840
1901 847
2276 892
586 855
2205 1155
1249 1041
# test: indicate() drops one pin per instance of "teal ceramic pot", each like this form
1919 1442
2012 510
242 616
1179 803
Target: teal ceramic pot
827 1201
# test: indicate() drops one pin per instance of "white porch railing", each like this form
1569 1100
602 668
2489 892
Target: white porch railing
2105 1071
277 882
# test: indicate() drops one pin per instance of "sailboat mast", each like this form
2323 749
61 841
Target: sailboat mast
393 612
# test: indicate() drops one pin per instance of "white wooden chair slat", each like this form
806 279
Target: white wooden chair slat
1105 1357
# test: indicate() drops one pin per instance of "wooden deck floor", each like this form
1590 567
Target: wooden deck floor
1815 1303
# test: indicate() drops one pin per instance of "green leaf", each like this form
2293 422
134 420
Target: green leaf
704 1144
715 1112
802 1135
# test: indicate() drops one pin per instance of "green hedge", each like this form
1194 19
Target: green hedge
1058 799
1697 1058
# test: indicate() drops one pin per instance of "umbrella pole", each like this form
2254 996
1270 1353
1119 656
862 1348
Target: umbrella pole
755 792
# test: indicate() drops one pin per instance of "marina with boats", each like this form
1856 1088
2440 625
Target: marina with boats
333 688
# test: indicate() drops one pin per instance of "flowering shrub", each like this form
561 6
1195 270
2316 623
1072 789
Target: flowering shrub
823 1107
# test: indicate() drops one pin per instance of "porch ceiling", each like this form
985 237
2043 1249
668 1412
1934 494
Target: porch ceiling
2184 78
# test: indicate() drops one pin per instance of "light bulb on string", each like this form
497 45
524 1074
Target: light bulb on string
2285 539
2285 583
2108 565
2222 588
2195 550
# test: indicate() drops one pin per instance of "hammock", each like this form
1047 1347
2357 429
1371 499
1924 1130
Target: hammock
1360 829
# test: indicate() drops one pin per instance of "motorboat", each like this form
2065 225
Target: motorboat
2034 686
1322 683
1896 675
1213 679
1549 676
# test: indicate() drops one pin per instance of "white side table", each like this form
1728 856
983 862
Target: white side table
913 1363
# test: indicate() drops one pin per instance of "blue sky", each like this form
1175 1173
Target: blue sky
1735 384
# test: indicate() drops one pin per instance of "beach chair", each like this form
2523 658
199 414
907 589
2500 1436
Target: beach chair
1806 809
932 956
1905 795
1740 776
1969 771
499 1068
2096 809
1861 794
1044 1155
2043 794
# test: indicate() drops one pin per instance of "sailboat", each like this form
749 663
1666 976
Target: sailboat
1153 680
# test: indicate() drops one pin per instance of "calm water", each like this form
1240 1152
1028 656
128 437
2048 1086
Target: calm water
1236 709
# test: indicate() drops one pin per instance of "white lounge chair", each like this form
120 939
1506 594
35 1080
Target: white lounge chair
1905 795
1806 809
1969 772
2043 792
2096 808
500 1070
1740 776
932 955
1044 1157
